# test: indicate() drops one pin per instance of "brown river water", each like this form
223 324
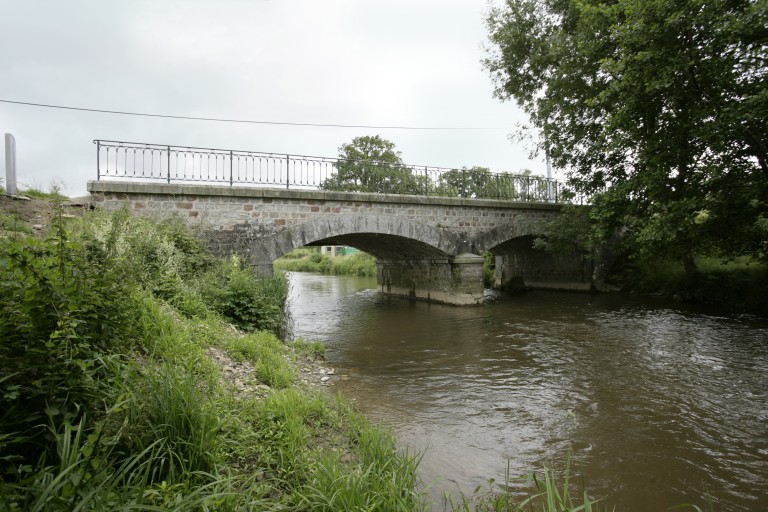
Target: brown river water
659 403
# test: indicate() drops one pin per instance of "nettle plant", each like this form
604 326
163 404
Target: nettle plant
65 312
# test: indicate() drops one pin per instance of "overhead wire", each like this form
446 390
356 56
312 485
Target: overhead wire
249 121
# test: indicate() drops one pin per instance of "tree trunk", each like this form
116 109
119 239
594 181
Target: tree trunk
689 264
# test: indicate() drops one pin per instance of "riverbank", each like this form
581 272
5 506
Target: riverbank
737 284
140 373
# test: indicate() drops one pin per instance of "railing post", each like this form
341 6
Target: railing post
230 168
287 171
98 162
168 148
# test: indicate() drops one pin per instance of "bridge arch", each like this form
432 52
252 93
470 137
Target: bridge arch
520 266
494 240
384 237
413 259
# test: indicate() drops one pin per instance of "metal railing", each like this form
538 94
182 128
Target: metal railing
181 164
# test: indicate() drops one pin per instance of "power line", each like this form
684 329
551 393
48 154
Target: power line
246 121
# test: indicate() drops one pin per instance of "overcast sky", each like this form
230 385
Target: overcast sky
353 62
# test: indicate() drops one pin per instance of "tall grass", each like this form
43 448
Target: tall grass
53 194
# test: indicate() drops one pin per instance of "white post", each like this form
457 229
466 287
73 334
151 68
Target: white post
10 164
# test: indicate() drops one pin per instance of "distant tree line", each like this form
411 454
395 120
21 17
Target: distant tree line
371 164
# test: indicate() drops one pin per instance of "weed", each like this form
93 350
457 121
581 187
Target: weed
12 223
311 349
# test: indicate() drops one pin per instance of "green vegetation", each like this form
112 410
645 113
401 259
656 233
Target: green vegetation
54 194
489 270
371 164
111 401
12 223
656 108
737 283
543 494
311 260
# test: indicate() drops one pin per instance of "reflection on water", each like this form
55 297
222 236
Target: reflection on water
659 404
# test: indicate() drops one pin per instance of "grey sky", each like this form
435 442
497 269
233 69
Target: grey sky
394 62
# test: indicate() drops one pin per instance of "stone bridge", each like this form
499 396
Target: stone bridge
426 247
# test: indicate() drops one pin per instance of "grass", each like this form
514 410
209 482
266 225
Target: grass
543 493
311 349
54 192
310 260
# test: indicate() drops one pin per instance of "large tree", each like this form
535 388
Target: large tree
371 164
657 107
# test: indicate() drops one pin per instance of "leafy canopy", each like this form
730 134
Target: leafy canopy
658 107
371 164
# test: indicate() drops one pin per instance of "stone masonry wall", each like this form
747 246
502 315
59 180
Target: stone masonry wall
266 212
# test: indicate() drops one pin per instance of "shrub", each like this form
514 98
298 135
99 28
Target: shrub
489 270
249 301
64 317
161 256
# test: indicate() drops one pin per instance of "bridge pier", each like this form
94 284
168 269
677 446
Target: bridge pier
457 280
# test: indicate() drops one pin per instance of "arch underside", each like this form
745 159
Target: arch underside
384 237
386 247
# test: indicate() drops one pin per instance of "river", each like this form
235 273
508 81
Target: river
659 403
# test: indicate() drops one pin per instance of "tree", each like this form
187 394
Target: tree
481 183
474 182
656 107
371 164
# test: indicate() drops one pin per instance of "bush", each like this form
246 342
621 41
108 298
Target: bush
249 301
64 318
161 256
110 401
489 270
